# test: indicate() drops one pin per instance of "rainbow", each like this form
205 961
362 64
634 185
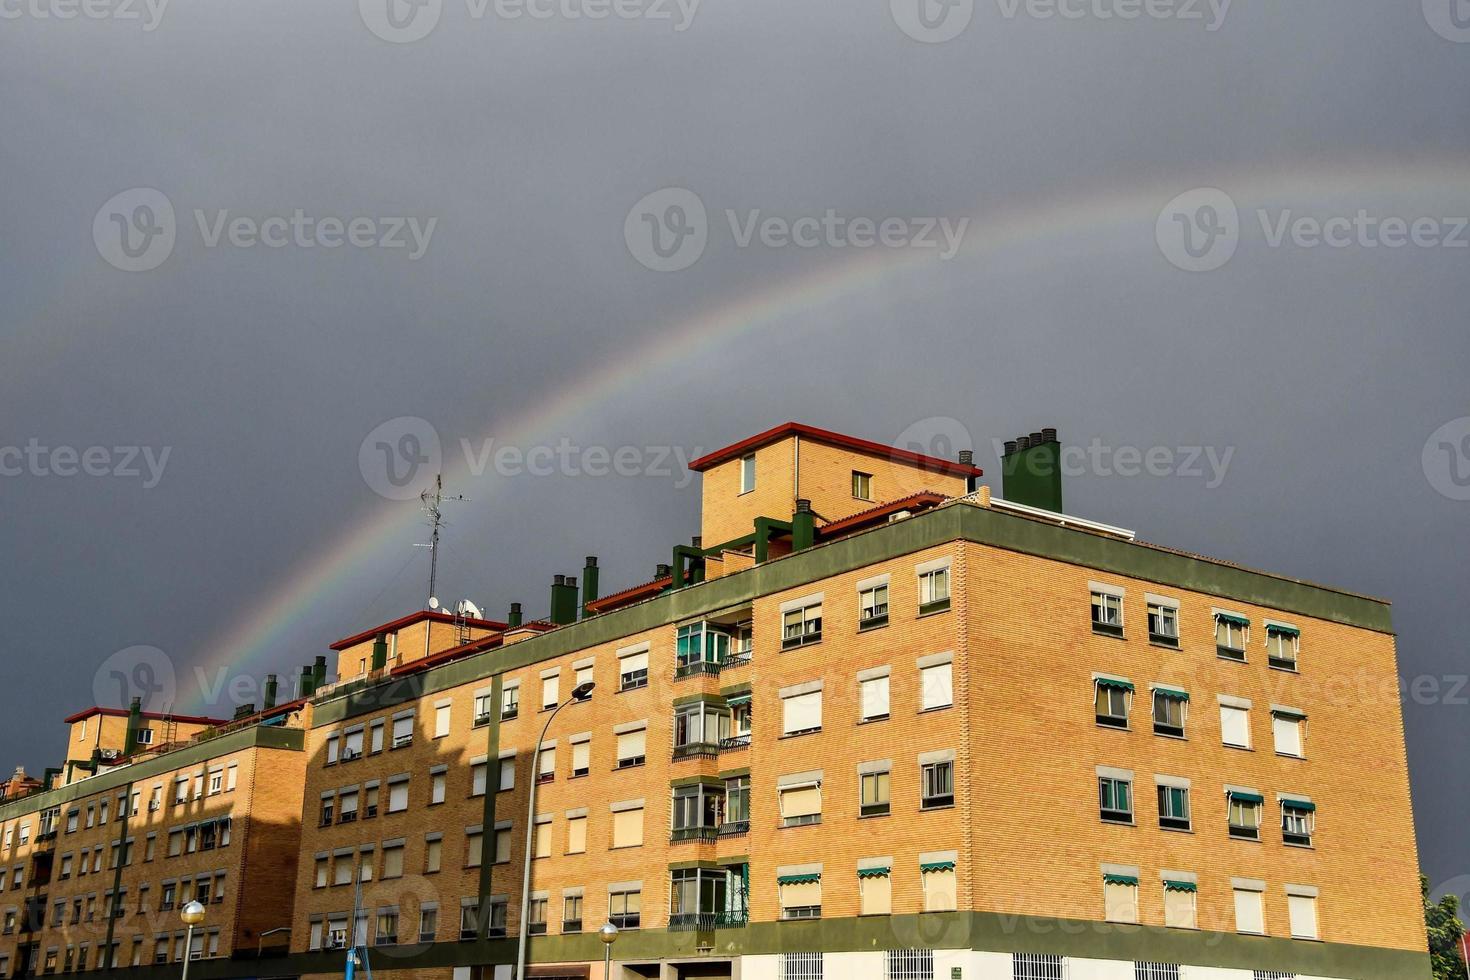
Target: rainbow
260 635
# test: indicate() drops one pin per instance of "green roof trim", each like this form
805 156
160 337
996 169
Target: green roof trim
929 866
1121 880
879 872
1232 620
1180 886
1240 797
1172 692
1115 683
1301 806
806 879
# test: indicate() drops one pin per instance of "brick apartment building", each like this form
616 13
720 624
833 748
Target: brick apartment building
873 723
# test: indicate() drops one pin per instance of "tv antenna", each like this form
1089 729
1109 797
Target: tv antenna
431 500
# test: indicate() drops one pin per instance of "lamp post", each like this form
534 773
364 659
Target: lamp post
192 914
609 935
579 693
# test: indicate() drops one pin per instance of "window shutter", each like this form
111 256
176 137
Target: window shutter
939 891
1248 913
581 756
801 801
937 685
1288 733
801 894
548 761
632 744
1120 902
576 835
633 661
875 697
1235 726
550 691
627 828
1303 911
802 712
1179 909
877 895
441 722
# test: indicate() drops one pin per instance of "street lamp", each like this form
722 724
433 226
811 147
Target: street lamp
579 693
609 935
192 914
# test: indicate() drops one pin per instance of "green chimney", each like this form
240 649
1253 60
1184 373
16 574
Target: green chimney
1031 471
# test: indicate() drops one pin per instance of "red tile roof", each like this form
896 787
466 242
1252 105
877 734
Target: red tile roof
933 463
411 619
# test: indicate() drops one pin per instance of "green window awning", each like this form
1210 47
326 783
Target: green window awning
880 872
808 879
1232 620
735 699
1288 713
1115 683
1283 630
936 866
1180 886
1248 798
1173 693
1303 806
1120 880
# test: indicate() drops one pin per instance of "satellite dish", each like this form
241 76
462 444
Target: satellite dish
467 608
433 602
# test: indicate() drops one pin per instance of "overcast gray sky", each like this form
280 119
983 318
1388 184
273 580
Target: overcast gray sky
139 311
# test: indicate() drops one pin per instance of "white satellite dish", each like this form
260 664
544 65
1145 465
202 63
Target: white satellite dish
468 609
433 602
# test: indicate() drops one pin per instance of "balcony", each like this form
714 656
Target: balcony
680 834
690 668
734 742
706 921
696 750
735 828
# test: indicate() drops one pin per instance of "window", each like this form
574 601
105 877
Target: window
698 811
1281 645
627 828
1113 697
1250 916
541 837
936 682
571 912
801 892
433 853
872 604
801 623
873 694
341 870
577 832
352 744
581 757
502 842
632 746
328 811
624 907
1230 635
1235 723
1115 795
441 719
469 918
510 702
546 763
862 485
875 887
801 966
1107 611
910 964
633 669
1163 622
1298 818
550 690
700 648
747 473
398 794
1286 726
402 730
800 799
482 707
536 923
479 774
933 586
801 709
1174 806
474 847
1171 706
387 934
698 728
873 783
1245 814
937 779
1179 904
1120 896
1155 971
737 805
376 730
1037 966
937 875
428 922
583 674
1301 903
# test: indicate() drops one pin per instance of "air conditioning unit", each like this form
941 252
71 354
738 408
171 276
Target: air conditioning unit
109 753
899 515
